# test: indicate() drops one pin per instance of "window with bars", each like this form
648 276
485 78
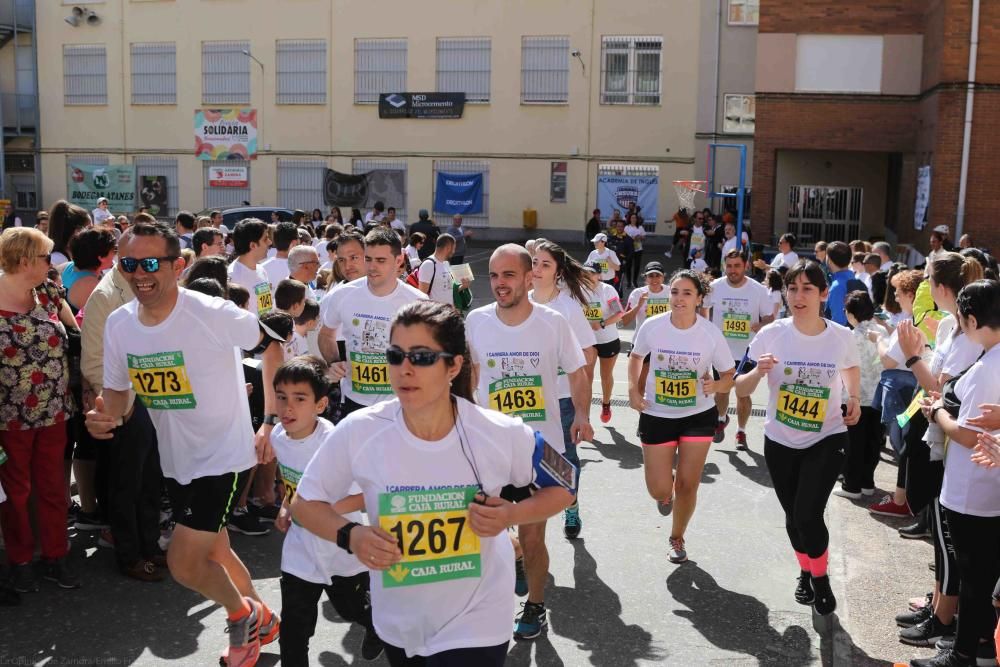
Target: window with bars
225 197
301 71
379 67
391 189
154 73
300 184
744 12
463 66
740 112
631 70
160 166
225 73
464 168
85 74
544 70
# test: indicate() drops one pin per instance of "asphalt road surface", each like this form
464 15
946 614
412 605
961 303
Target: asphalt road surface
614 599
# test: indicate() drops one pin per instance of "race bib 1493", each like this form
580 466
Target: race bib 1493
736 326
433 533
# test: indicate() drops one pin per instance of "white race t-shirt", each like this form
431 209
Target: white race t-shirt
732 245
187 371
657 303
410 484
969 488
699 264
806 385
519 366
736 309
679 359
303 554
788 259
276 269
637 234
412 257
257 283
99 215
440 272
954 351
697 237
363 320
603 303
569 307
607 260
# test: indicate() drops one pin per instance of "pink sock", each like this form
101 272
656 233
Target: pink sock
817 566
803 561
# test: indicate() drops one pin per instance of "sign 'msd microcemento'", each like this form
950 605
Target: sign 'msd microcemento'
421 105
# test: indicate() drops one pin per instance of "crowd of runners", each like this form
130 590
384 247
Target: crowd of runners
331 380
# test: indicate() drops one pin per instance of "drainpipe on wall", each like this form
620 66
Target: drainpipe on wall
967 133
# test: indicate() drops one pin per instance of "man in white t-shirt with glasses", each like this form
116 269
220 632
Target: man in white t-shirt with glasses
179 351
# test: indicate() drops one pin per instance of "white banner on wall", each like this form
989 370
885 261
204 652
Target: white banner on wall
923 197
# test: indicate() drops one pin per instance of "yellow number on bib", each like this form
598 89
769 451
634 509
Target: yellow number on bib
264 300
593 312
519 396
161 381
802 407
736 325
657 308
369 374
676 389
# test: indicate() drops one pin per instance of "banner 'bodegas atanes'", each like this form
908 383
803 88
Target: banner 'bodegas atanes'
225 134
89 182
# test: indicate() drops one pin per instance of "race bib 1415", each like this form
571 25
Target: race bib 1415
433 533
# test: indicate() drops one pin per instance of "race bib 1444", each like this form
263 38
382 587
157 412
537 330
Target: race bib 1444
161 381
802 407
519 396
433 533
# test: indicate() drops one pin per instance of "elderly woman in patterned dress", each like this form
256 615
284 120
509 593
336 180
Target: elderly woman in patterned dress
34 406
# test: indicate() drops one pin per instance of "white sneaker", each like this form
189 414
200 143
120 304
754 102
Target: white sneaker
844 493
868 492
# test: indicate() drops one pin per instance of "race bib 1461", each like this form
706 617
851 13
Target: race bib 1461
161 381
369 373
433 533
519 396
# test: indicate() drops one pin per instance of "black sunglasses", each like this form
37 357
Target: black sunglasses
149 264
47 257
395 355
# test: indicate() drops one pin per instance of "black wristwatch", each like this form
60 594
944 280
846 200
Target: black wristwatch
270 420
344 536
934 412
912 360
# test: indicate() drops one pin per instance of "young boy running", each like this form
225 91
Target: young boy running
311 565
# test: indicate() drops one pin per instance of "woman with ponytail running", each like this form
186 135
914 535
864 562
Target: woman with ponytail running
807 361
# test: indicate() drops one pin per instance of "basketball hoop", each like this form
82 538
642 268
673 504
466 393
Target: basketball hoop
686 191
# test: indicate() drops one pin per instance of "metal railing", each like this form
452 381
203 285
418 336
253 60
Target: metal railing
19 113
822 213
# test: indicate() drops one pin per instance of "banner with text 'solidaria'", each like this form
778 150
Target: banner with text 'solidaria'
89 182
225 134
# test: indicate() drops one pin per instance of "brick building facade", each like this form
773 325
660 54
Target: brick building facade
890 97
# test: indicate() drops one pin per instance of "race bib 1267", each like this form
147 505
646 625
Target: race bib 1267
802 407
433 533
161 381
519 396
369 373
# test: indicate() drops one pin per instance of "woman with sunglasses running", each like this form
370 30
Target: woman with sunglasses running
431 465
807 361
677 402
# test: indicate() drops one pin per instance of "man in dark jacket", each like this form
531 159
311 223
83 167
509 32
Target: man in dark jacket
426 227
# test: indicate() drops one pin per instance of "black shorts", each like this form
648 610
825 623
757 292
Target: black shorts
609 350
655 430
206 502
515 494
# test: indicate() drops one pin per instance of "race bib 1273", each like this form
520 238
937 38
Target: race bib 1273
161 381
433 533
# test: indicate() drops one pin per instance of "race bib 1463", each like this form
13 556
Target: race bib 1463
802 407
433 533
519 396
161 381
369 373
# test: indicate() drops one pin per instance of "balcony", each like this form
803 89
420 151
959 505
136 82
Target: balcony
19 114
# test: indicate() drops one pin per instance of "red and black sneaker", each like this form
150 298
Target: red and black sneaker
741 441
720 431
605 413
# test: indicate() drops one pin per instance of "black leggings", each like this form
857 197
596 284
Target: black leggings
803 480
865 442
977 547
480 656
945 563
300 609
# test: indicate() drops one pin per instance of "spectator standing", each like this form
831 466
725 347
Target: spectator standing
33 415
425 226
184 225
637 233
375 216
65 221
460 235
10 219
286 237
101 213
838 258
593 228
435 273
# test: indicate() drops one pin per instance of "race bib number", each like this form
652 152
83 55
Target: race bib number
433 533
676 389
161 381
657 307
603 265
519 396
802 407
904 417
736 326
698 239
264 300
290 480
369 374
593 312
